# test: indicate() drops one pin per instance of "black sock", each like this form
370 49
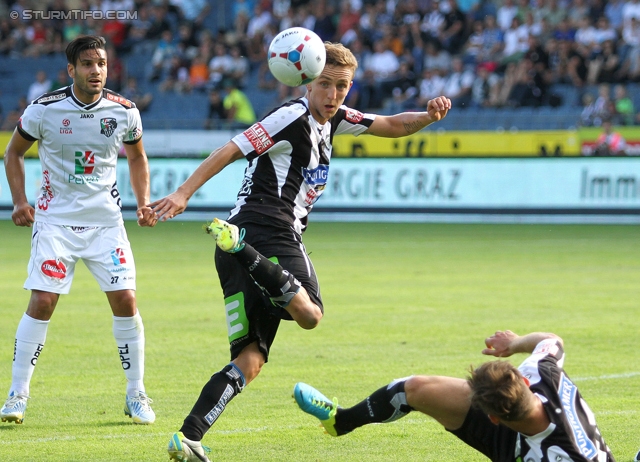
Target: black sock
219 390
277 283
383 405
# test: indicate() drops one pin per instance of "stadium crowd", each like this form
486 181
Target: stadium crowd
480 53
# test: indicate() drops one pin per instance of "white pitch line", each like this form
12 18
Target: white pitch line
626 375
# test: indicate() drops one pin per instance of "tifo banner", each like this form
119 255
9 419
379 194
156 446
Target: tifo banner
417 189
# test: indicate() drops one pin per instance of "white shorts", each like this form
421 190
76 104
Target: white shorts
55 250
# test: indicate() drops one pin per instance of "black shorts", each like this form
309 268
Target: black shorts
497 442
250 314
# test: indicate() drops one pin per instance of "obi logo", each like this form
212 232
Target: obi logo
316 176
85 162
118 258
54 269
108 125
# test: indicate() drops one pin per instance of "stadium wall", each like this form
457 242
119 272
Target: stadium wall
510 190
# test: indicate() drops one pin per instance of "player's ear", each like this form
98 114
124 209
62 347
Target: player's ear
526 382
71 70
494 420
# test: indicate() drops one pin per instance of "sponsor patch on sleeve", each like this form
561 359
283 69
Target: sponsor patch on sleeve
353 116
119 99
546 347
259 138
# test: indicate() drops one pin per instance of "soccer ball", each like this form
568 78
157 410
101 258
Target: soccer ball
296 56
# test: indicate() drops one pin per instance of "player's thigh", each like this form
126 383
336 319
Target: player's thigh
110 260
54 254
285 247
249 314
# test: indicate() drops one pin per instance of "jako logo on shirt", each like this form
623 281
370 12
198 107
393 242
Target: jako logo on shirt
85 162
54 269
108 125
117 256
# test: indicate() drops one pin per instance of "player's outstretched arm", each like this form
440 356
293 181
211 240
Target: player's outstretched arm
506 343
140 183
176 202
407 123
23 213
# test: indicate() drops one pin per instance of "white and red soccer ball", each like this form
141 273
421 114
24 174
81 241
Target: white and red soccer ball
296 56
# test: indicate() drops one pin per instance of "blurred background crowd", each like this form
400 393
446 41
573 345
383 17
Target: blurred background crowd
576 59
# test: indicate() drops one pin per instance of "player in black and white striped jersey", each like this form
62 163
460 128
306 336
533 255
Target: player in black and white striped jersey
533 413
262 264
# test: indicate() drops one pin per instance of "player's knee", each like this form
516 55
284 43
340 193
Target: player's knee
309 316
42 304
415 387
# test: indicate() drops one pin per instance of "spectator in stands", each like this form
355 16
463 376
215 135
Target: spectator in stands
198 74
162 58
435 57
610 142
159 18
12 118
631 50
613 12
193 11
485 86
138 32
177 76
216 114
62 80
454 30
379 67
239 110
432 23
132 92
516 42
595 110
625 113
431 85
260 20
474 44
457 85
324 25
403 89
604 66
349 21
219 65
506 12
565 31
238 68
579 10
187 43
41 85
492 41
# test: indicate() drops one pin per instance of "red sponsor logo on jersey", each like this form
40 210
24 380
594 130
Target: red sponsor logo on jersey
54 269
66 122
259 138
353 116
119 99
46 193
546 347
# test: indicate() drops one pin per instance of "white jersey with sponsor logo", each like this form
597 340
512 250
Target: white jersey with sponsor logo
573 434
78 146
289 154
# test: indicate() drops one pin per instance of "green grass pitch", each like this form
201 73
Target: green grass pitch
399 300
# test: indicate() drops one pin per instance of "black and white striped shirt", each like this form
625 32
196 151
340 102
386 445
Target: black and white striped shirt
289 154
573 434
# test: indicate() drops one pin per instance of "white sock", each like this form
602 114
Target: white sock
30 337
129 335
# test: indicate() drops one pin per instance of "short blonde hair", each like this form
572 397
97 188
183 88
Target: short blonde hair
340 56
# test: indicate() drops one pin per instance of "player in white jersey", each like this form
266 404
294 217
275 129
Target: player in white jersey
263 267
77 216
533 413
